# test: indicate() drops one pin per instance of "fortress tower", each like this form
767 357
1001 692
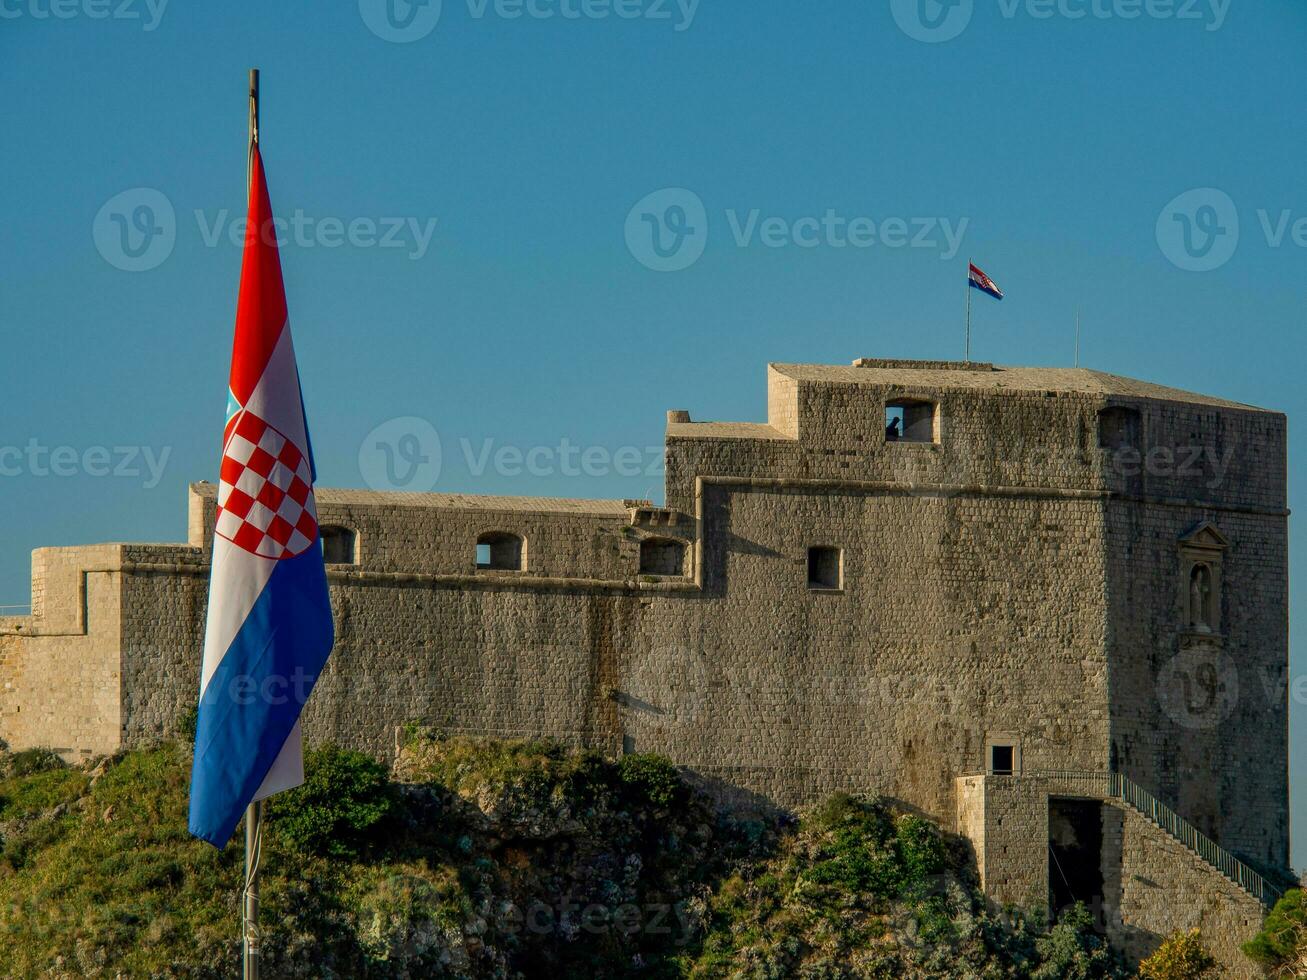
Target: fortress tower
1051 613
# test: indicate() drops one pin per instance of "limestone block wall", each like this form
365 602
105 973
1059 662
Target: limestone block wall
834 429
1006 820
1203 720
1155 885
942 633
421 634
60 680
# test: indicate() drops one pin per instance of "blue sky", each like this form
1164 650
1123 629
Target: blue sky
528 315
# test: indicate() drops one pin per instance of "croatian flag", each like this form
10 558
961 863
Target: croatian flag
978 280
269 627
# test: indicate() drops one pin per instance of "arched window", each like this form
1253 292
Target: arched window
338 544
662 556
501 551
911 420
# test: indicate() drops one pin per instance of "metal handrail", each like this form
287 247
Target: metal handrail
1117 786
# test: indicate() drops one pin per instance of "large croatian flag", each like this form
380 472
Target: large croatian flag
269 629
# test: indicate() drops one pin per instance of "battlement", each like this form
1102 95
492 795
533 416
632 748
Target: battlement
903 364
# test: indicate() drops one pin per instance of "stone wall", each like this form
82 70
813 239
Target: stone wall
1011 578
1156 885
1002 816
61 668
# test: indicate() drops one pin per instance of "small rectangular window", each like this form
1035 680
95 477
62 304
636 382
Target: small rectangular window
337 544
911 420
825 568
1002 760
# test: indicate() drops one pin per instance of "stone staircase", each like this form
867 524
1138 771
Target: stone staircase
1116 787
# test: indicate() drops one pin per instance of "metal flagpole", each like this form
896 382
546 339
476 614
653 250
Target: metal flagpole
968 360
1077 336
254 812
250 903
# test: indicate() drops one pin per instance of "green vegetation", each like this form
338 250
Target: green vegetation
1182 957
337 810
860 891
488 859
1281 947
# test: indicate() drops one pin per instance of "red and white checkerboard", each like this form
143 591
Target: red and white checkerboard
265 492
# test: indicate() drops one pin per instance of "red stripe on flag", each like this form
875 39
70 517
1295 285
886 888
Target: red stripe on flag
261 309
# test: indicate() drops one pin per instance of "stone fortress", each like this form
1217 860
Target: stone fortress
1047 607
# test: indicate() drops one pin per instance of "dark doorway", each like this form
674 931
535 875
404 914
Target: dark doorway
1075 853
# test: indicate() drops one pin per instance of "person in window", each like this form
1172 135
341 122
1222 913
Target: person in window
892 430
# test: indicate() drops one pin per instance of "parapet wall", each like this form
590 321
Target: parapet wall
60 668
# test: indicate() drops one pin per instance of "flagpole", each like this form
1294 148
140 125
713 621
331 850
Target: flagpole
968 360
253 812
1077 336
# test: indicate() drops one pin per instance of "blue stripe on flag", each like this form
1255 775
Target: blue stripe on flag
256 694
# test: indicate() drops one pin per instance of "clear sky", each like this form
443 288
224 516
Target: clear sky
467 255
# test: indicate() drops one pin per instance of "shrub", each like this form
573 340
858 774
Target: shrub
345 796
1071 950
1282 943
187 722
1181 957
652 777
29 762
921 848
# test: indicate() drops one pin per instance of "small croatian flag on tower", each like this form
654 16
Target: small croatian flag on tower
978 280
269 627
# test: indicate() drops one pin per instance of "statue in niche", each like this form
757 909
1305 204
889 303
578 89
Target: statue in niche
1200 597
